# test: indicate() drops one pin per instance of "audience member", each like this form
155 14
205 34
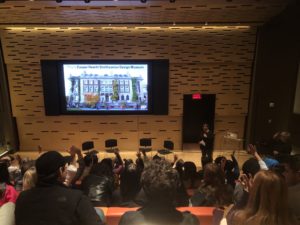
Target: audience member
230 168
50 202
73 165
292 177
267 204
29 179
240 194
213 191
129 185
281 144
99 184
160 183
8 196
189 175
7 191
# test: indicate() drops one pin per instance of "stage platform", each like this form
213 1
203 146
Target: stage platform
193 155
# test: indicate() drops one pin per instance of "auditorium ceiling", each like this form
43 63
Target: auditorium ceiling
33 12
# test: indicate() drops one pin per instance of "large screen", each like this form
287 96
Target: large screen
105 87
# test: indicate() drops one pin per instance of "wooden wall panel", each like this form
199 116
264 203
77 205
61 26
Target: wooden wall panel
210 60
133 11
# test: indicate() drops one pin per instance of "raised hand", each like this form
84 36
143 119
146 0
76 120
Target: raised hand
246 182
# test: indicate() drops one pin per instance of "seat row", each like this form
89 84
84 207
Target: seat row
145 145
113 214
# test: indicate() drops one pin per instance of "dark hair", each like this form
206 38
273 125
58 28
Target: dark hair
189 172
4 174
213 175
90 159
130 181
156 157
216 192
250 166
294 162
218 160
104 168
205 160
179 167
229 165
160 182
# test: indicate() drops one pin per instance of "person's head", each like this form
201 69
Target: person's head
189 170
213 175
250 167
90 159
109 162
104 168
205 160
179 166
156 157
130 182
160 182
229 165
219 160
4 174
29 179
284 136
267 203
292 170
26 165
205 127
50 168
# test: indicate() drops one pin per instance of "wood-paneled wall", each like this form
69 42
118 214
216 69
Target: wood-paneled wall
214 60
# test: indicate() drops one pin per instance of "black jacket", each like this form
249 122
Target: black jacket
99 189
55 205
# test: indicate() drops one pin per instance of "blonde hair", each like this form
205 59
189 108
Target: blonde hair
29 179
267 203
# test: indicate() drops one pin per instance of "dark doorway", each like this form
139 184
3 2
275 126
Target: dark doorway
197 109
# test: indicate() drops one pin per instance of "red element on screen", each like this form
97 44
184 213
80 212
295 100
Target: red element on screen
197 96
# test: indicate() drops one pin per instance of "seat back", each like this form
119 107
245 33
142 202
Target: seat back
114 214
168 145
111 143
88 145
204 214
145 142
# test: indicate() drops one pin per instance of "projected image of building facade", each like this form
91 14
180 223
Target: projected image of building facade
106 92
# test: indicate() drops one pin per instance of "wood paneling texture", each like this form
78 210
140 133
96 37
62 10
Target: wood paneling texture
215 60
133 11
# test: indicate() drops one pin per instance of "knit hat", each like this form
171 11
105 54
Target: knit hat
49 163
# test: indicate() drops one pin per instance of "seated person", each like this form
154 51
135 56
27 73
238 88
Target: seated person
50 202
213 191
160 183
8 196
267 203
230 168
99 184
292 178
29 179
7 191
129 185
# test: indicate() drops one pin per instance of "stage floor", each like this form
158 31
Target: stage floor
186 155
